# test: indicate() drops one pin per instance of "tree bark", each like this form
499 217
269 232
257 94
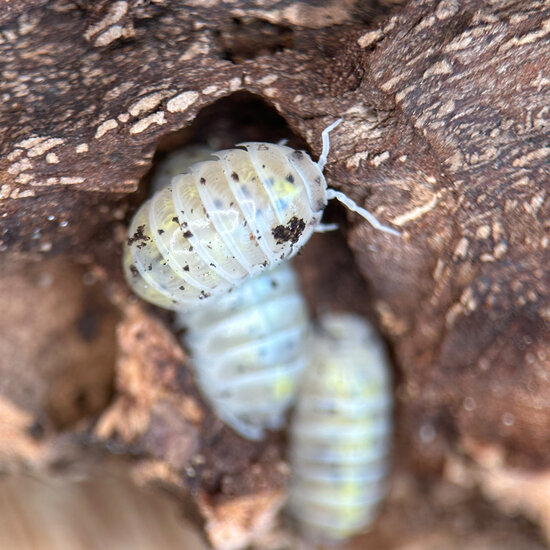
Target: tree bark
445 136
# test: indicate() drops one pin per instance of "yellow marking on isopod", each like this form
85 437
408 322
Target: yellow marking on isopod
283 387
283 188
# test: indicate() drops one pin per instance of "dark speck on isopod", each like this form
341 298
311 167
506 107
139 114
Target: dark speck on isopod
139 235
289 233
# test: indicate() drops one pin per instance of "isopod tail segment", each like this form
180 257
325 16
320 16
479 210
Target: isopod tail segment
342 197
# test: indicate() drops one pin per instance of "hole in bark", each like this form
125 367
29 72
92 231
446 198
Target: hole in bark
242 116
248 38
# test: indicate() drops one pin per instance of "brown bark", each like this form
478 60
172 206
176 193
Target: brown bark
445 135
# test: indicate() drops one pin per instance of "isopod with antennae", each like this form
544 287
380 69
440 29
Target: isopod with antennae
227 219
341 431
249 348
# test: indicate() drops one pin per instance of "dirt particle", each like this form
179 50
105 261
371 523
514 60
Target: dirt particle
138 236
289 233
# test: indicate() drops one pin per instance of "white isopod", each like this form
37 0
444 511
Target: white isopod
249 348
341 431
227 219
178 162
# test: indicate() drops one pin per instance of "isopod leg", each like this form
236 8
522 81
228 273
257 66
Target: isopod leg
352 205
326 143
326 227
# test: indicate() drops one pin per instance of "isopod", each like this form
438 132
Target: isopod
178 162
228 219
340 432
249 348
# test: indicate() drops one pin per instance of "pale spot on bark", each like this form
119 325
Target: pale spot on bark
369 38
182 102
105 127
144 123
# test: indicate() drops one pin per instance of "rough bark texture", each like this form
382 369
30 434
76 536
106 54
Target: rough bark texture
445 135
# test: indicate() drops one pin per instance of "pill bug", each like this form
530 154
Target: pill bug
340 432
178 162
249 348
227 219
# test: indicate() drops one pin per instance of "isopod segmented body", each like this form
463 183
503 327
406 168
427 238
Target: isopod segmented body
249 348
225 220
178 162
341 431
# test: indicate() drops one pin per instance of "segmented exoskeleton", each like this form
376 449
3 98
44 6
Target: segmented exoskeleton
227 219
249 348
341 431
